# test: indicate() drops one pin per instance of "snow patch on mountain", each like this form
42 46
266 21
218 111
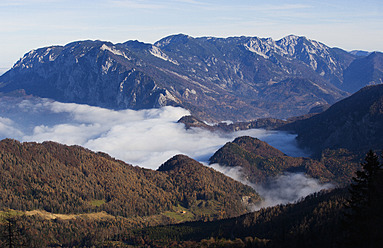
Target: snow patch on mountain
115 51
108 64
254 50
155 51
111 49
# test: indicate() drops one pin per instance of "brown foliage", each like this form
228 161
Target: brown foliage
261 161
68 179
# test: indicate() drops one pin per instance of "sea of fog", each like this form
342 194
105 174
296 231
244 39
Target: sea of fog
146 138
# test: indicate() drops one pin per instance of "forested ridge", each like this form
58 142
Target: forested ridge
312 222
71 179
354 123
105 202
344 217
260 161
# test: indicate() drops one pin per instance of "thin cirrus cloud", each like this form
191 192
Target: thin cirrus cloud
11 3
345 24
137 4
146 137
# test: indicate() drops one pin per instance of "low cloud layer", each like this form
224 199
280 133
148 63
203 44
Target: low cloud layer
146 137
288 188
283 189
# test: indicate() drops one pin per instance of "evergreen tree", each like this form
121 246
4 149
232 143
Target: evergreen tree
10 232
363 223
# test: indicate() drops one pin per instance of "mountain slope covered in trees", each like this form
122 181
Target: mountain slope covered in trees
355 123
72 180
259 162
319 220
344 217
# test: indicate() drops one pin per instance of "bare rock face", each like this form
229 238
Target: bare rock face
238 78
91 72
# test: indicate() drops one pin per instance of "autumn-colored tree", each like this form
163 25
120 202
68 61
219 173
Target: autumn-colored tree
11 233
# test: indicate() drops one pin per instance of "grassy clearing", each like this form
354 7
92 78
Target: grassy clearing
180 214
9 213
177 214
206 208
96 203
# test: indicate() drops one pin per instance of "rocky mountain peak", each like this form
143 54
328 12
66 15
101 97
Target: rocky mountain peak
236 78
177 38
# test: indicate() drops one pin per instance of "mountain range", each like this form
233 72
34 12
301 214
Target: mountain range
236 78
71 196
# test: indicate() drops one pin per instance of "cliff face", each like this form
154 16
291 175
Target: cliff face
238 78
90 72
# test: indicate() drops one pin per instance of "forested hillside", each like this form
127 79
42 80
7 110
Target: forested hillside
67 196
312 222
343 217
260 161
354 123
72 180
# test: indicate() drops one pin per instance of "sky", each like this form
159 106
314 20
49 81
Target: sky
31 24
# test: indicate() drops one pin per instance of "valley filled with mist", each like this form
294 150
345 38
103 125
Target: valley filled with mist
189 142
146 138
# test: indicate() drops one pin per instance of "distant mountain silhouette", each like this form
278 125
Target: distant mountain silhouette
355 123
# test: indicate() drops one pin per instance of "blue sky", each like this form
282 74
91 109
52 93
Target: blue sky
29 24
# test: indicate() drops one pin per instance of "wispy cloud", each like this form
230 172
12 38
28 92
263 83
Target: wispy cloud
282 189
7 127
288 188
10 3
272 7
137 4
192 2
230 7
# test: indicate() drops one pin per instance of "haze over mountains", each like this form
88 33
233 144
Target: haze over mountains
138 93
237 78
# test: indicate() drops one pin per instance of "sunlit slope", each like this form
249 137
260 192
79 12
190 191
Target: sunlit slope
70 179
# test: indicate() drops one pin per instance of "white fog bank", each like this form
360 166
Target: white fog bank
285 188
146 137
